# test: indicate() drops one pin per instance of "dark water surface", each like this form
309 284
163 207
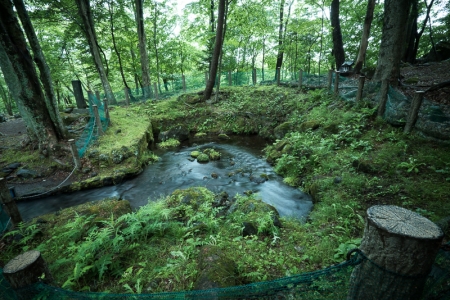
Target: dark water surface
238 170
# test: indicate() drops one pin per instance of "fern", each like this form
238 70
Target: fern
102 265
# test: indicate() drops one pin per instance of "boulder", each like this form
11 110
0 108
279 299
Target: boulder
26 174
216 270
2 118
180 133
281 130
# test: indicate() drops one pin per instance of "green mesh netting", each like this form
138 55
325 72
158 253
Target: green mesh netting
353 279
90 132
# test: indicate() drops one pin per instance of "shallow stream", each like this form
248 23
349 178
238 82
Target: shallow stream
239 170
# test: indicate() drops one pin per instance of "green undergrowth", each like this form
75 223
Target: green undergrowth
339 152
105 247
123 148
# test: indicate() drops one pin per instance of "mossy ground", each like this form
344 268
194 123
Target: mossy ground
338 151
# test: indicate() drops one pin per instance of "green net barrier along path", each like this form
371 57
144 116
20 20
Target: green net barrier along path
330 283
90 132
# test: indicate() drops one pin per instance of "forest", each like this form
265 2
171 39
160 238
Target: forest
172 74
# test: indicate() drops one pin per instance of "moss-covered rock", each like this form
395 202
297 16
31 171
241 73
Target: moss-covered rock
195 153
313 125
212 153
281 130
216 269
223 136
203 158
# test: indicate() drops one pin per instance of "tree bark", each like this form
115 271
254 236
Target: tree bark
84 10
44 70
365 36
338 45
280 39
217 50
392 40
145 66
111 27
22 79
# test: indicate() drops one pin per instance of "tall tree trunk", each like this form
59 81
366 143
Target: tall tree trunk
44 70
212 26
111 27
411 31
280 40
84 10
146 82
365 36
263 57
338 45
392 40
155 44
217 50
221 52
419 34
22 79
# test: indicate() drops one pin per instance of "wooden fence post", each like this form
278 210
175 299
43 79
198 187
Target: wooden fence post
414 111
230 79
278 75
9 203
76 157
383 97
106 109
360 88
127 96
400 247
97 95
300 78
330 80
24 270
183 78
336 84
91 98
97 120
155 87
78 93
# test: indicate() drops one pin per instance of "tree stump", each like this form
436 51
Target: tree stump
26 269
400 246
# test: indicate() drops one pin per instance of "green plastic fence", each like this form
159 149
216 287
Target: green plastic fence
335 282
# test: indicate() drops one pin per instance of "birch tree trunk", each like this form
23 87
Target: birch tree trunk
84 10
